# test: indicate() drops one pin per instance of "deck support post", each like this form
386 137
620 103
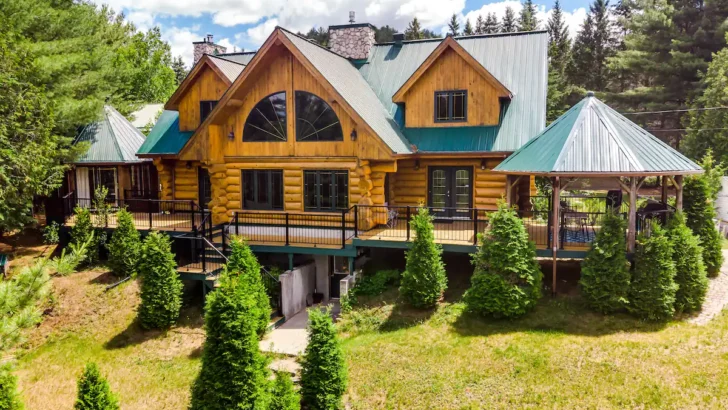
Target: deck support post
290 261
632 221
556 192
679 192
351 265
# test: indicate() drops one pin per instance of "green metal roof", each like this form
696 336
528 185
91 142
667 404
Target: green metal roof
165 138
112 139
518 60
592 138
459 139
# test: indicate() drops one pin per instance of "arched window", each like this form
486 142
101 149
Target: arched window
315 120
267 120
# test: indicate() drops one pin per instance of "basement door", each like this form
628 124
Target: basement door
451 191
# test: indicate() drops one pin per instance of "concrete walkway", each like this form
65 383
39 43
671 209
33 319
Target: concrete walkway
291 338
717 298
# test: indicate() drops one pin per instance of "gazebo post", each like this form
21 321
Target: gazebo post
663 196
679 192
509 191
556 192
632 224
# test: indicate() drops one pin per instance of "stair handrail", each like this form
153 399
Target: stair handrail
211 245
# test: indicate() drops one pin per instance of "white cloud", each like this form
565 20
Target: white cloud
180 41
257 35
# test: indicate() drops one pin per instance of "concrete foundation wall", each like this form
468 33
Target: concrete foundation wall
296 285
322 275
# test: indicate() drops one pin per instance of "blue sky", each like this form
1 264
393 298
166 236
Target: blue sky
245 24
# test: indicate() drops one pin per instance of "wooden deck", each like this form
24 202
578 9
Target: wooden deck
168 222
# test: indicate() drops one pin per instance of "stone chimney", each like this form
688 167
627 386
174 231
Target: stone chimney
353 40
206 46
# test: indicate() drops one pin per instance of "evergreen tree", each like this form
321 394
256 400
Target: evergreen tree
424 279
427 33
508 25
480 25
9 397
468 31
691 276
319 36
559 53
284 396
454 25
491 24
527 20
507 279
384 34
652 293
605 272
234 373
161 290
242 262
20 298
83 232
94 392
125 245
594 45
414 30
323 366
180 71
699 214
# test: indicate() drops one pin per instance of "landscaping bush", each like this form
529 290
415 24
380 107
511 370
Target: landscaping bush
67 263
424 279
243 262
50 233
605 272
284 397
652 293
376 284
690 274
507 279
20 300
9 398
94 392
83 231
124 246
699 215
323 367
234 374
161 289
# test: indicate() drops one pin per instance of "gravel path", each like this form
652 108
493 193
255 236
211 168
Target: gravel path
717 297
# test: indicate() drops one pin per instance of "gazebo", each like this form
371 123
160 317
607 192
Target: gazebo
592 141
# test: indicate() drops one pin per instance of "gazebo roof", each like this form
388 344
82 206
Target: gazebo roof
113 139
591 139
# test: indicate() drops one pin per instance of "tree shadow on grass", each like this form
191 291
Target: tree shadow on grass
190 318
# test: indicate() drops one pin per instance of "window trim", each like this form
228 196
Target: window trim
255 172
214 104
242 133
450 105
334 188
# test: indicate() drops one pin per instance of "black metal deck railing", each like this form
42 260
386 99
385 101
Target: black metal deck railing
197 254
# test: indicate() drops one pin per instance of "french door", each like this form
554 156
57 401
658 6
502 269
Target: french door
451 191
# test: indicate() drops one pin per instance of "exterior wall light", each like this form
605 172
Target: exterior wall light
417 165
353 135
231 134
482 164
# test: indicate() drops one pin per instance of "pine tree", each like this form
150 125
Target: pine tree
527 20
20 298
125 245
468 31
414 30
594 46
161 289
508 25
323 366
454 25
653 288
9 397
605 272
284 396
94 392
234 373
480 25
424 279
243 262
691 276
559 52
180 71
699 214
83 231
491 24
507 279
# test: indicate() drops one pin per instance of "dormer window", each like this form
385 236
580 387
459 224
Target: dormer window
206 108
451 106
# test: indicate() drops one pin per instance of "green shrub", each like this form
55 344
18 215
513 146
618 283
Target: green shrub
83 231
9 398
67 263
690 275
424 279
50 233
284 397
605 272
234 374
125 245
323 367
376 284
243 262
699 215
161 290
94 392
507 279
652 294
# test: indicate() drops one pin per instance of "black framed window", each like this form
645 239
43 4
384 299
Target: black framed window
267 120
315 120
206 108
263 189
451 106
326 190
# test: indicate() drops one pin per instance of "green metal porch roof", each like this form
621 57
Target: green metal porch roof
165 138
112 139
591 138
455 139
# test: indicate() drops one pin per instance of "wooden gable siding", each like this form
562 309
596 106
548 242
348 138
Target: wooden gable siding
207 86
451 72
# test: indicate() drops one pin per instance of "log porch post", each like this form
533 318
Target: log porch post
679 192
663 196
556 192
632 224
